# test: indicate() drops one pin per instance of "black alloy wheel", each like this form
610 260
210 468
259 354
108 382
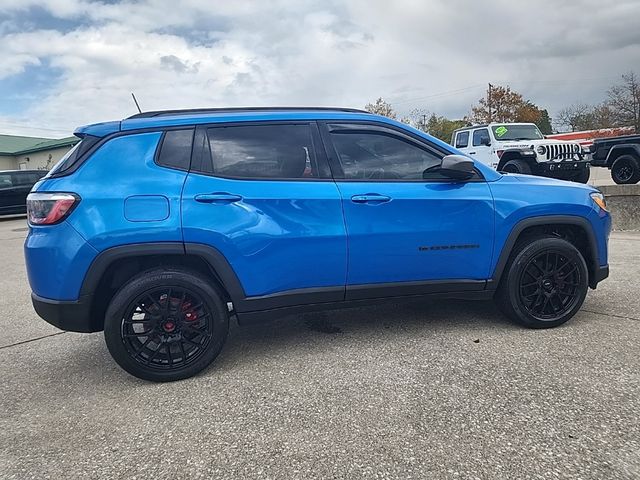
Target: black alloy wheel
549 285
166 324
167 328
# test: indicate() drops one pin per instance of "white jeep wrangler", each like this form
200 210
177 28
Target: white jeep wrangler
521 148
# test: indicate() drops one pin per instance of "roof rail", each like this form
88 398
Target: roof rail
164 113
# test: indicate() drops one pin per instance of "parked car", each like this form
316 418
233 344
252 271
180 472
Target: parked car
522 148
160 227
15 185
621 155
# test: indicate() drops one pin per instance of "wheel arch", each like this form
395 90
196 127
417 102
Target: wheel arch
577 230
514 154
115 266
619 150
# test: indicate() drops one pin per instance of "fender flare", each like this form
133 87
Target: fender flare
618 150
509 153
519 227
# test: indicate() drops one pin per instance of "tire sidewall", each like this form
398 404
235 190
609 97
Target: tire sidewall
522 259
621 161
148 281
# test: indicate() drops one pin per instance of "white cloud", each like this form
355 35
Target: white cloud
198 53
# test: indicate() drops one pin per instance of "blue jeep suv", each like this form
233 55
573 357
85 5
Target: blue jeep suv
160 227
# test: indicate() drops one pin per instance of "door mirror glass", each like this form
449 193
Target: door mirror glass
486 141
457 167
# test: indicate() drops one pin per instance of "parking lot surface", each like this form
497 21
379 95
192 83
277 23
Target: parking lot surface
410 390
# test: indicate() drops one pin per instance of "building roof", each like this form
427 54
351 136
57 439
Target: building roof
19 145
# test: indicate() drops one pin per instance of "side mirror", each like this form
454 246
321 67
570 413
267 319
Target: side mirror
485 141
457 167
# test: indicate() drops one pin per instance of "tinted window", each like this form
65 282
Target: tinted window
74 154
462 140
175 151
5 180
376 155
263 151
480 135
24 178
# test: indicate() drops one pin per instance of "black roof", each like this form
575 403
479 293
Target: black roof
164 113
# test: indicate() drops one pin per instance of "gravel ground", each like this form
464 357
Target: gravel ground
411 390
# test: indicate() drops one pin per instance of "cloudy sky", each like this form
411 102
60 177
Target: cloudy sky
70 62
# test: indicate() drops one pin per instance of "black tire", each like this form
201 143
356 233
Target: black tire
626 170
166 324
534 291
517 165
582 176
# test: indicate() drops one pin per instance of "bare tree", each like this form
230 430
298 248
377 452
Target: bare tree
624 101
578 116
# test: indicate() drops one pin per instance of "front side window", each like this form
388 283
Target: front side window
378 155
481 137
263 151
462 140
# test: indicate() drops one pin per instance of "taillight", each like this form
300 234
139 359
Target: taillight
45 208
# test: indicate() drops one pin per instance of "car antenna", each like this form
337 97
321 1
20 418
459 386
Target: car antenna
136 102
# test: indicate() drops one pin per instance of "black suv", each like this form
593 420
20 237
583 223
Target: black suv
15 185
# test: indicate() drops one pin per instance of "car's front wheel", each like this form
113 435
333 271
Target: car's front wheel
166 324
517 165
544 282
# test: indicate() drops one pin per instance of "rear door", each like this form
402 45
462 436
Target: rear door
410 230
262 195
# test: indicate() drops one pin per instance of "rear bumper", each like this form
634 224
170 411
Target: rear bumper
70 315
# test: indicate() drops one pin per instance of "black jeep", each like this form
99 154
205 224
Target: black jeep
621 155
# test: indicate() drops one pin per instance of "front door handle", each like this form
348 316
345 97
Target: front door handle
472 153
219 197
374 198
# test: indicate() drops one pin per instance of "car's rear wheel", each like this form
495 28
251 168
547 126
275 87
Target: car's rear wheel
517 165
626 170
544 283
166 325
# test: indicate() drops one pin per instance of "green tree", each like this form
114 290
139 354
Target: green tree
380 107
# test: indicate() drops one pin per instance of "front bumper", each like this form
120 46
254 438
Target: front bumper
70 315
564 166
599 275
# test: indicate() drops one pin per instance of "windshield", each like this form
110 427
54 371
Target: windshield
516 132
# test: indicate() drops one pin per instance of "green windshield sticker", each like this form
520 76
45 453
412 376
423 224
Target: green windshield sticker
500 131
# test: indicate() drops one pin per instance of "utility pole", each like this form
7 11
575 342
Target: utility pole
424 122
489 105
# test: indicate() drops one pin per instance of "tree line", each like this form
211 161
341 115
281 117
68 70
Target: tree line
502 104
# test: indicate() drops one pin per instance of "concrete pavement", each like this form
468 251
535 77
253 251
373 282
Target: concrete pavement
420 390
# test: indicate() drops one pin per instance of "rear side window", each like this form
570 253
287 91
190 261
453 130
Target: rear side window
175 151
74 155
462 140
5 180
263 151
24 178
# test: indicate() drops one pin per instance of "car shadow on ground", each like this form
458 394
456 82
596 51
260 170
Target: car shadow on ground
86 359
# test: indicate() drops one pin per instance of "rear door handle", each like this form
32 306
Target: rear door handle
374 198
219 197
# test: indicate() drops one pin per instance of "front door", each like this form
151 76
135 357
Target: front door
481 149
405 221
264 198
